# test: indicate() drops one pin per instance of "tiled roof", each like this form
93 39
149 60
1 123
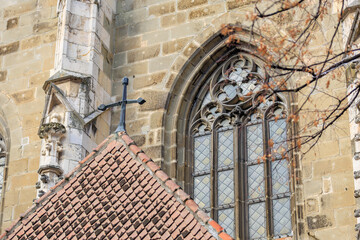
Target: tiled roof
117 192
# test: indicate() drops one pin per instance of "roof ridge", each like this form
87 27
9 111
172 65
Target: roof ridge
173 188
170 186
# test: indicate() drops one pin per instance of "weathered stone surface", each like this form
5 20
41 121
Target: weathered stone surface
45 26
121 32
18 57
50 37
135 16
170 81
18 166
3 75
184 4
127 44
30 42
154 100
16 9
24 179
156 37
173 19
143 53
236 3
312 205
6 49
148 80
12 23
162 9
153 151
119 59
7 213
47 3
139 139
187 29
143 27
318 221
156 119
23 96
174 46
131 70
160 63
206 11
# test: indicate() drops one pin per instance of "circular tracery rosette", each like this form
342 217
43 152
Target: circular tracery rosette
236 81
236 90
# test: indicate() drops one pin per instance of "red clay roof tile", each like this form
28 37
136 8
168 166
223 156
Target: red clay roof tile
113 195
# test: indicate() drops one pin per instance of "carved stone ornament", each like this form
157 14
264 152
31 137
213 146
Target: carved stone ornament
238 89
52 128
49 169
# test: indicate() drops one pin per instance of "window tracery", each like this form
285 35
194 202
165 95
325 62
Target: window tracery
240 171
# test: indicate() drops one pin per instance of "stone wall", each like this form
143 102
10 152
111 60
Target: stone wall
35 46
157 43
27 43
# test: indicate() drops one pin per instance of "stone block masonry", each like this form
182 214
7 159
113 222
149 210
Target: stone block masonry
160 42
27 47
86 47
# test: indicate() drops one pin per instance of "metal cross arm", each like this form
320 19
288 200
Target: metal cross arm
122 103
103 107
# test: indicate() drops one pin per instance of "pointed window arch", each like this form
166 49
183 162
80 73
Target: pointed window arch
239 165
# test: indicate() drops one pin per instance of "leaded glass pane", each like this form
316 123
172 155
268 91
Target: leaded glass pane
226 219
256 181
226 187
278 135
202 153
225 149
254 142
239 74
282 216
257 221
202 191
280 176
206 99
230 91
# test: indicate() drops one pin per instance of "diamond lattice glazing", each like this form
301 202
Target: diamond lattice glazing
257 221
256 181
226 219
202 191
254 142
225 149
280 176
226 187
278 135
202 153
282 216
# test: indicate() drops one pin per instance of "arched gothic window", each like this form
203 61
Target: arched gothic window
239 163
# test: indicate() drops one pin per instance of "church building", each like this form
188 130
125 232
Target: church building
204 152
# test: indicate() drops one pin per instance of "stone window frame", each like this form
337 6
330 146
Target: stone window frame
207 122
181 98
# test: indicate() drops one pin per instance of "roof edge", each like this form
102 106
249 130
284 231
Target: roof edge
173 188
138 154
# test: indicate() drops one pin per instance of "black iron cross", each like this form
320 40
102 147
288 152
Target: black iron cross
123 102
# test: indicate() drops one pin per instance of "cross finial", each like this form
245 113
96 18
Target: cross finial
123 102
